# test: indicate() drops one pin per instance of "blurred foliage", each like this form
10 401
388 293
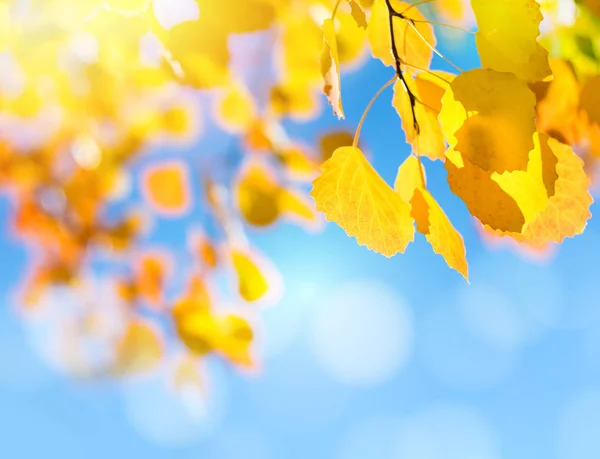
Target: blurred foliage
90 89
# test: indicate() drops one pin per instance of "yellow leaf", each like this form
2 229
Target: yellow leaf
298 162
414 47
527 187
252 282
331 141
558 105
351 40
353 195
437 228
429 139
297 207
229 335
257 196
301 41
488 117
235 338
200 48
330 69
567 211
453 11
176 120
430 218
117 52
138 350
482 195
507 201
410 177
166 188
236 110
198 330
507 37
358 14
295 98
234 16
590 98
195 300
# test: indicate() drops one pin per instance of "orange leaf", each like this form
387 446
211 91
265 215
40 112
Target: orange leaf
166 188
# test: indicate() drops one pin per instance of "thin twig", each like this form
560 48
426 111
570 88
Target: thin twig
393 13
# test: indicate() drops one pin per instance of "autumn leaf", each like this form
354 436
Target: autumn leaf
358 14
529 188
454 11
150 277
489 117
196 300
166 188
428 89
331 141
257 196
236 337
300 164
430 218
507 38
353 195
252 281
351 41
590 99
413 36
198 331
236 109
228 335
558 104
330 69
298 208
484 197
567 211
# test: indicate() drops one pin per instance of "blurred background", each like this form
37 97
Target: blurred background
360 357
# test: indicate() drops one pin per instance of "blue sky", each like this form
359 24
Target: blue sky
365 357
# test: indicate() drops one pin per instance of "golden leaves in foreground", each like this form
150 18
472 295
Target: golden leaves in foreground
568 205
507 37
547 203
352 194
489 117
431 220
429 89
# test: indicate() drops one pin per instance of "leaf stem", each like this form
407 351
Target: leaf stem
364 115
